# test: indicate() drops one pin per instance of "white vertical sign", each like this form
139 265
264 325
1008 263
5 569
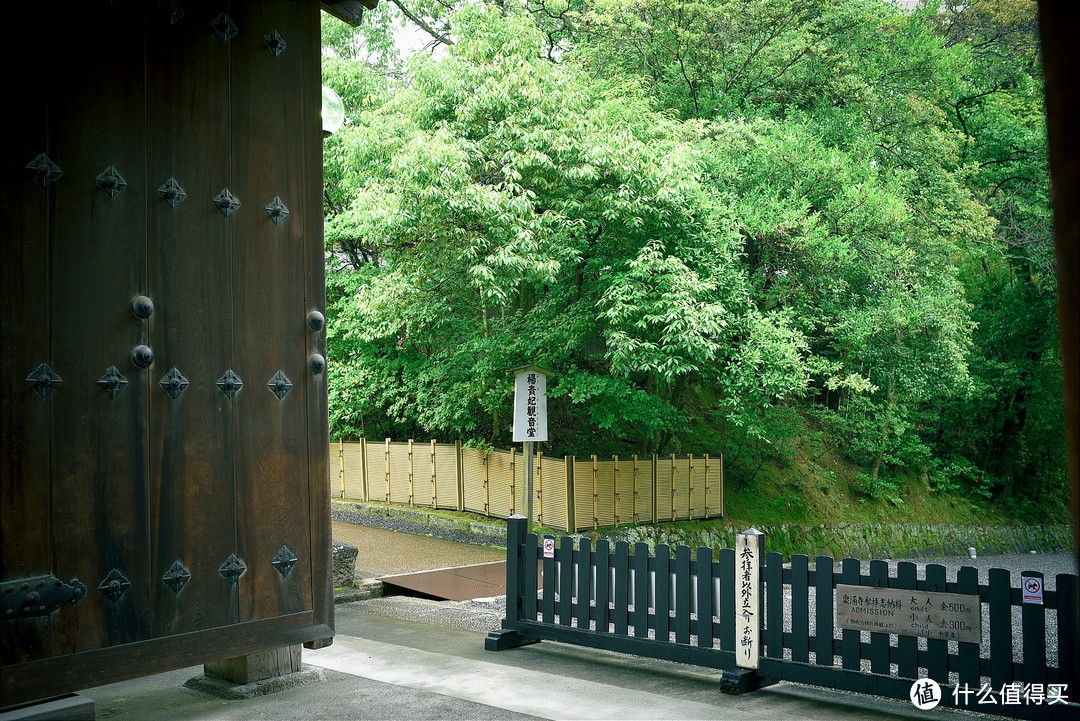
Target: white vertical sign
748 551
530 406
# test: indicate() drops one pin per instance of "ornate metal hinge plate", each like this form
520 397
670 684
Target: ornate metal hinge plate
276 210
45 171
114 585
112 382
44 380
176 577
284 561
174 383
275 42
226 202
280 384
171 192
224 27
38 596
111 182
232 569
229 383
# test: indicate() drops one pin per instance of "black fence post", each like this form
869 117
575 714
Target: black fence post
516 575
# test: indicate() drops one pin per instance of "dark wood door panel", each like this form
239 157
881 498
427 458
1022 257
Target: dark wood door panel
143 494
97 262
272 460
191 270
24 322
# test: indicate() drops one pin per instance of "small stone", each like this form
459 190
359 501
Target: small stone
344 564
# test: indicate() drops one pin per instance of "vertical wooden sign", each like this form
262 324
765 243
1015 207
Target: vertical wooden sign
749 553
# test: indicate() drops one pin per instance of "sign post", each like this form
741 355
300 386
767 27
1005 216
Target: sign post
749 557
530 423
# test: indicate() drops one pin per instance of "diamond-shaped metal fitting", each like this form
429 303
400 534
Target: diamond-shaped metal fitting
45 171
224 27
176 577
226 202
44 380
112 382
277 210
174 383
111 182
114 585
172 193
284 561
275 42
172 11
232 569
280 385
229 383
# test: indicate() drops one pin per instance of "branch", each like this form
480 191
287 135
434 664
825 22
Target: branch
422 24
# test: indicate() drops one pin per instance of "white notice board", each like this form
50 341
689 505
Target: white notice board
530 406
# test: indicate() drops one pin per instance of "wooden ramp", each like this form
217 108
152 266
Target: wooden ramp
482 580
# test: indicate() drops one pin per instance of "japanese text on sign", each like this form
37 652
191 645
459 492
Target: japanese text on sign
530 406
929 614
748 601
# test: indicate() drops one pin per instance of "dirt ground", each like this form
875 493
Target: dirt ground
383 553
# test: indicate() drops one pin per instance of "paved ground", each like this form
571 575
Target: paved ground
405 658
397 658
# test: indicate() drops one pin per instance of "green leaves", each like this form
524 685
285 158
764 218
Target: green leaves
710 219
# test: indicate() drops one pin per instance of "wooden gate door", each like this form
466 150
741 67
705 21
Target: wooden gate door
165 497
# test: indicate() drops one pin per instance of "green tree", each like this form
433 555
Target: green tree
521 212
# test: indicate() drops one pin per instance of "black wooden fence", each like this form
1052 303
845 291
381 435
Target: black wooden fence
590 596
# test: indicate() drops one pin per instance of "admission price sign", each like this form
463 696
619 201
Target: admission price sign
927 614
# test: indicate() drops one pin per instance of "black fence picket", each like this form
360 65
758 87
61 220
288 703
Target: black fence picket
774 605
641 590
564 555
612 600
1033 623
621 610
823 616
907 647
662 593
705 611
584 562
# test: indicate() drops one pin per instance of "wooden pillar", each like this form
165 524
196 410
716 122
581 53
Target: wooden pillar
256 666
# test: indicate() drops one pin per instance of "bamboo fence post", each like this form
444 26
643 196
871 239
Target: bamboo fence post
412 489
615 488
386 455
460 463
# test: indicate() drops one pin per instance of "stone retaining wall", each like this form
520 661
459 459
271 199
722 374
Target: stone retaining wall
876 540
856 540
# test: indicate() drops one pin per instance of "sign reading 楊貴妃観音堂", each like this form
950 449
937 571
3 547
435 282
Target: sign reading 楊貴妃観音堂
530 406
929 614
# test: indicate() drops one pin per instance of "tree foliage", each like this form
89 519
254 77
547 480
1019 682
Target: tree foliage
720 224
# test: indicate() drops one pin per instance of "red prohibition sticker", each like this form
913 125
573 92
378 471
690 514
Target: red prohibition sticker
1032 588
549 548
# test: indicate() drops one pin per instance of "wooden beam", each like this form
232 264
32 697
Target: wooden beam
349 11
